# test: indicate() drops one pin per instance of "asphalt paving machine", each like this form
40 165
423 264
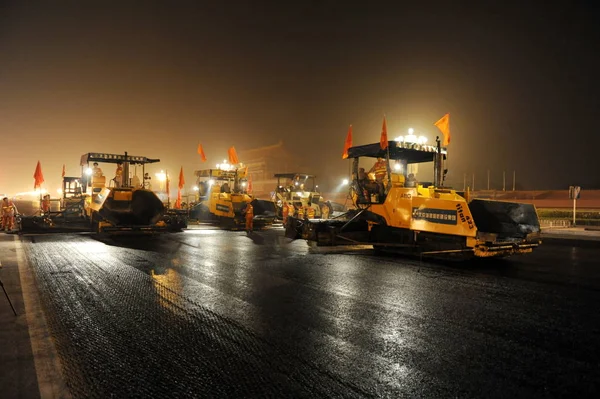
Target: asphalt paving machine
298 189
117 206
223 198
402 215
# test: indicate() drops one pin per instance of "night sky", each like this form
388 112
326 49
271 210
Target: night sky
154 79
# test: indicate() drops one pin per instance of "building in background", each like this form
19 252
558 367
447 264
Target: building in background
264 162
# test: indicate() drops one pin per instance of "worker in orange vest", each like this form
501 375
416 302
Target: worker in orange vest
300 212
9 210
249 218
324 211
46 203
310 212
285 212
379 169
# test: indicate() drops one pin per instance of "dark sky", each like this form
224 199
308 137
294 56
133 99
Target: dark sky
152 78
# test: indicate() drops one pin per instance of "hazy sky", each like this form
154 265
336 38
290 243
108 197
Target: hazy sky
154 78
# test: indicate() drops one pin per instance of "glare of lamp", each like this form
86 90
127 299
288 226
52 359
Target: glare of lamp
421 140
397 166
345 182
411 130
88 171
162 176
411 138
243 184
59 191
196 188
211 182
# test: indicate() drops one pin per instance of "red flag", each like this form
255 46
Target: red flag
233 158
348 143
249 184
181 179
63 171
383 141
201 153
38 176
444 125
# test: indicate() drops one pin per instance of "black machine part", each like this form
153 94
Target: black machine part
509 220
144 209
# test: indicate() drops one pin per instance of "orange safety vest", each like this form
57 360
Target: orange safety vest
8 208
301 213
311 212
380 170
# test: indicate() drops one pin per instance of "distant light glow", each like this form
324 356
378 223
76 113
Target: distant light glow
411 138
88 171
411 131
397 166
196 188
345 182
211 182
162 176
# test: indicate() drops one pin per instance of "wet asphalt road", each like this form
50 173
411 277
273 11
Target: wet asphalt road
209 313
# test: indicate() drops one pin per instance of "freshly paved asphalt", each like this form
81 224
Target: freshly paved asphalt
209 313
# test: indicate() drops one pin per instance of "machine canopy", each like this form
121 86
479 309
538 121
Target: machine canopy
411 153
114 158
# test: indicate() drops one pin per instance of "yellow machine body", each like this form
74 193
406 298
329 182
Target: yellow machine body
420 218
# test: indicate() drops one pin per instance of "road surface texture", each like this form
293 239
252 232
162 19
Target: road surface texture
209 313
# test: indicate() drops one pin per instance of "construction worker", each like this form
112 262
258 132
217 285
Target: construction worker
310 212
300 212
285 212
249 218
291 210
379 169
119 175
96 171
9 210
324 211
46 203
411 181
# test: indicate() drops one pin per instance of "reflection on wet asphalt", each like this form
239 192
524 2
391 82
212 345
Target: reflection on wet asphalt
209 313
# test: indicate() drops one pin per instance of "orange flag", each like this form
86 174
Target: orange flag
383 141
233 158
348 143
181 179
38 176
63 171
444 125
201 153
